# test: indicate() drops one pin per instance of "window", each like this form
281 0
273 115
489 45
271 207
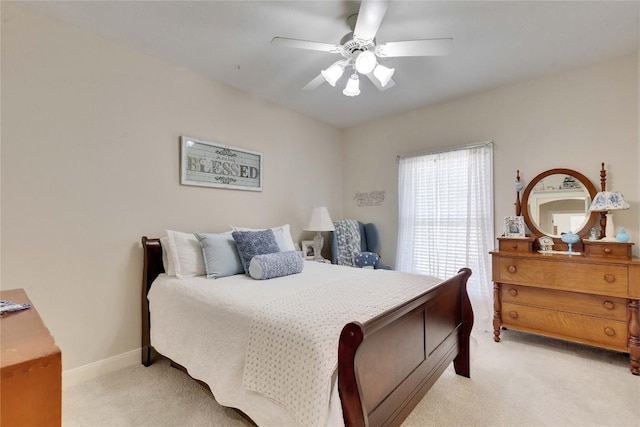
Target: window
446 218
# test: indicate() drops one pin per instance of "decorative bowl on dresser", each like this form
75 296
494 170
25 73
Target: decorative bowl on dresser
590 296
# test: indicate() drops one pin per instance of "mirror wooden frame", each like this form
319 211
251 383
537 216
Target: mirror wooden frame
588 185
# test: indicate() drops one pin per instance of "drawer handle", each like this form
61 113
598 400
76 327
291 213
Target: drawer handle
513 314
514 247
512 269
608 305
609 278
607 250
513 292
609 332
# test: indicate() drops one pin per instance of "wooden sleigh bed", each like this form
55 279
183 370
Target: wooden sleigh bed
387 364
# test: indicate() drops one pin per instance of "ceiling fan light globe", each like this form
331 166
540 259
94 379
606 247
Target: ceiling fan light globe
332 74
383 74
353 86
366 62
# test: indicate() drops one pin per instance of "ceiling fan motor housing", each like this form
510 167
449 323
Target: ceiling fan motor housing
353 47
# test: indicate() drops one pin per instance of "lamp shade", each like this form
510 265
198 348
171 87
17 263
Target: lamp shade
608 201
383 74
333 73
353 86
320 220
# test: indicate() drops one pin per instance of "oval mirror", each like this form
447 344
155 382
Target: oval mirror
557 201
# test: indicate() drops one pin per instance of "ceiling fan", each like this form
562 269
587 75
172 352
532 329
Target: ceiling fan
360 51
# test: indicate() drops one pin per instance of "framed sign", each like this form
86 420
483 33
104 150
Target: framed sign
210 164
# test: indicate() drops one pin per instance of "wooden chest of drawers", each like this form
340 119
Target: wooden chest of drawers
31 378
593 299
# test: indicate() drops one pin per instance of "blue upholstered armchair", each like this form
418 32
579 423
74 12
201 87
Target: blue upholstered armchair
369 246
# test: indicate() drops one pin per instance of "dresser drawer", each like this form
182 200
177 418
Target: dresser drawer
592 305
576 327
515 244
606 249
603 279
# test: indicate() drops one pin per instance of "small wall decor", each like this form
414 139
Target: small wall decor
307 249
210 164
371 198
514 226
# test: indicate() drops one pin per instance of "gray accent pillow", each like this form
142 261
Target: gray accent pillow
252 243
279 264
221 257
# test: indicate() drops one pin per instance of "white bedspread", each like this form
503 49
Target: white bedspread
293 343
206 325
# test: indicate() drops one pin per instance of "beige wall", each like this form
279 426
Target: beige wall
90 151
90 133
575 120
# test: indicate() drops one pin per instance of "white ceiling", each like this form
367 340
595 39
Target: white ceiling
494 43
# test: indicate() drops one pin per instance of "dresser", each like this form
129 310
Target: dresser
591 298
31 376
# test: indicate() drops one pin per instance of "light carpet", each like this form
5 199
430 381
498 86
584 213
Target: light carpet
525 380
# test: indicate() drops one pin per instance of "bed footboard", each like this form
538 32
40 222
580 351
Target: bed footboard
387 364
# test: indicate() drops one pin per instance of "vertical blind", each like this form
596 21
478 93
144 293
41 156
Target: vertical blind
446 218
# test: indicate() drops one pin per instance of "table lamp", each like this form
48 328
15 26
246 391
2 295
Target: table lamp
607 201
319 221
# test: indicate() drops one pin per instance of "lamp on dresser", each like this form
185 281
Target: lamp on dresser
319 221
605 202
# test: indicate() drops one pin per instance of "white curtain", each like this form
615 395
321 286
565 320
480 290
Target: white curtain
446 219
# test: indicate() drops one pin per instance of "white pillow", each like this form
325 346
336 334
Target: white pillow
282 233
185 252
167 262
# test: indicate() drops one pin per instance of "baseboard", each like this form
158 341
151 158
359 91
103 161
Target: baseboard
93 370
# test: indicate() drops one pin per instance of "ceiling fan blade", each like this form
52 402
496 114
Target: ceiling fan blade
428 47
369 18
377 83
317 81
305 44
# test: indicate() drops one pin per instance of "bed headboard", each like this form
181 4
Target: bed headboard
152 261
152 266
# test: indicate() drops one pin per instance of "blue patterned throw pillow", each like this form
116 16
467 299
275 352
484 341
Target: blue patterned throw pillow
280 264
367 259
252 243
